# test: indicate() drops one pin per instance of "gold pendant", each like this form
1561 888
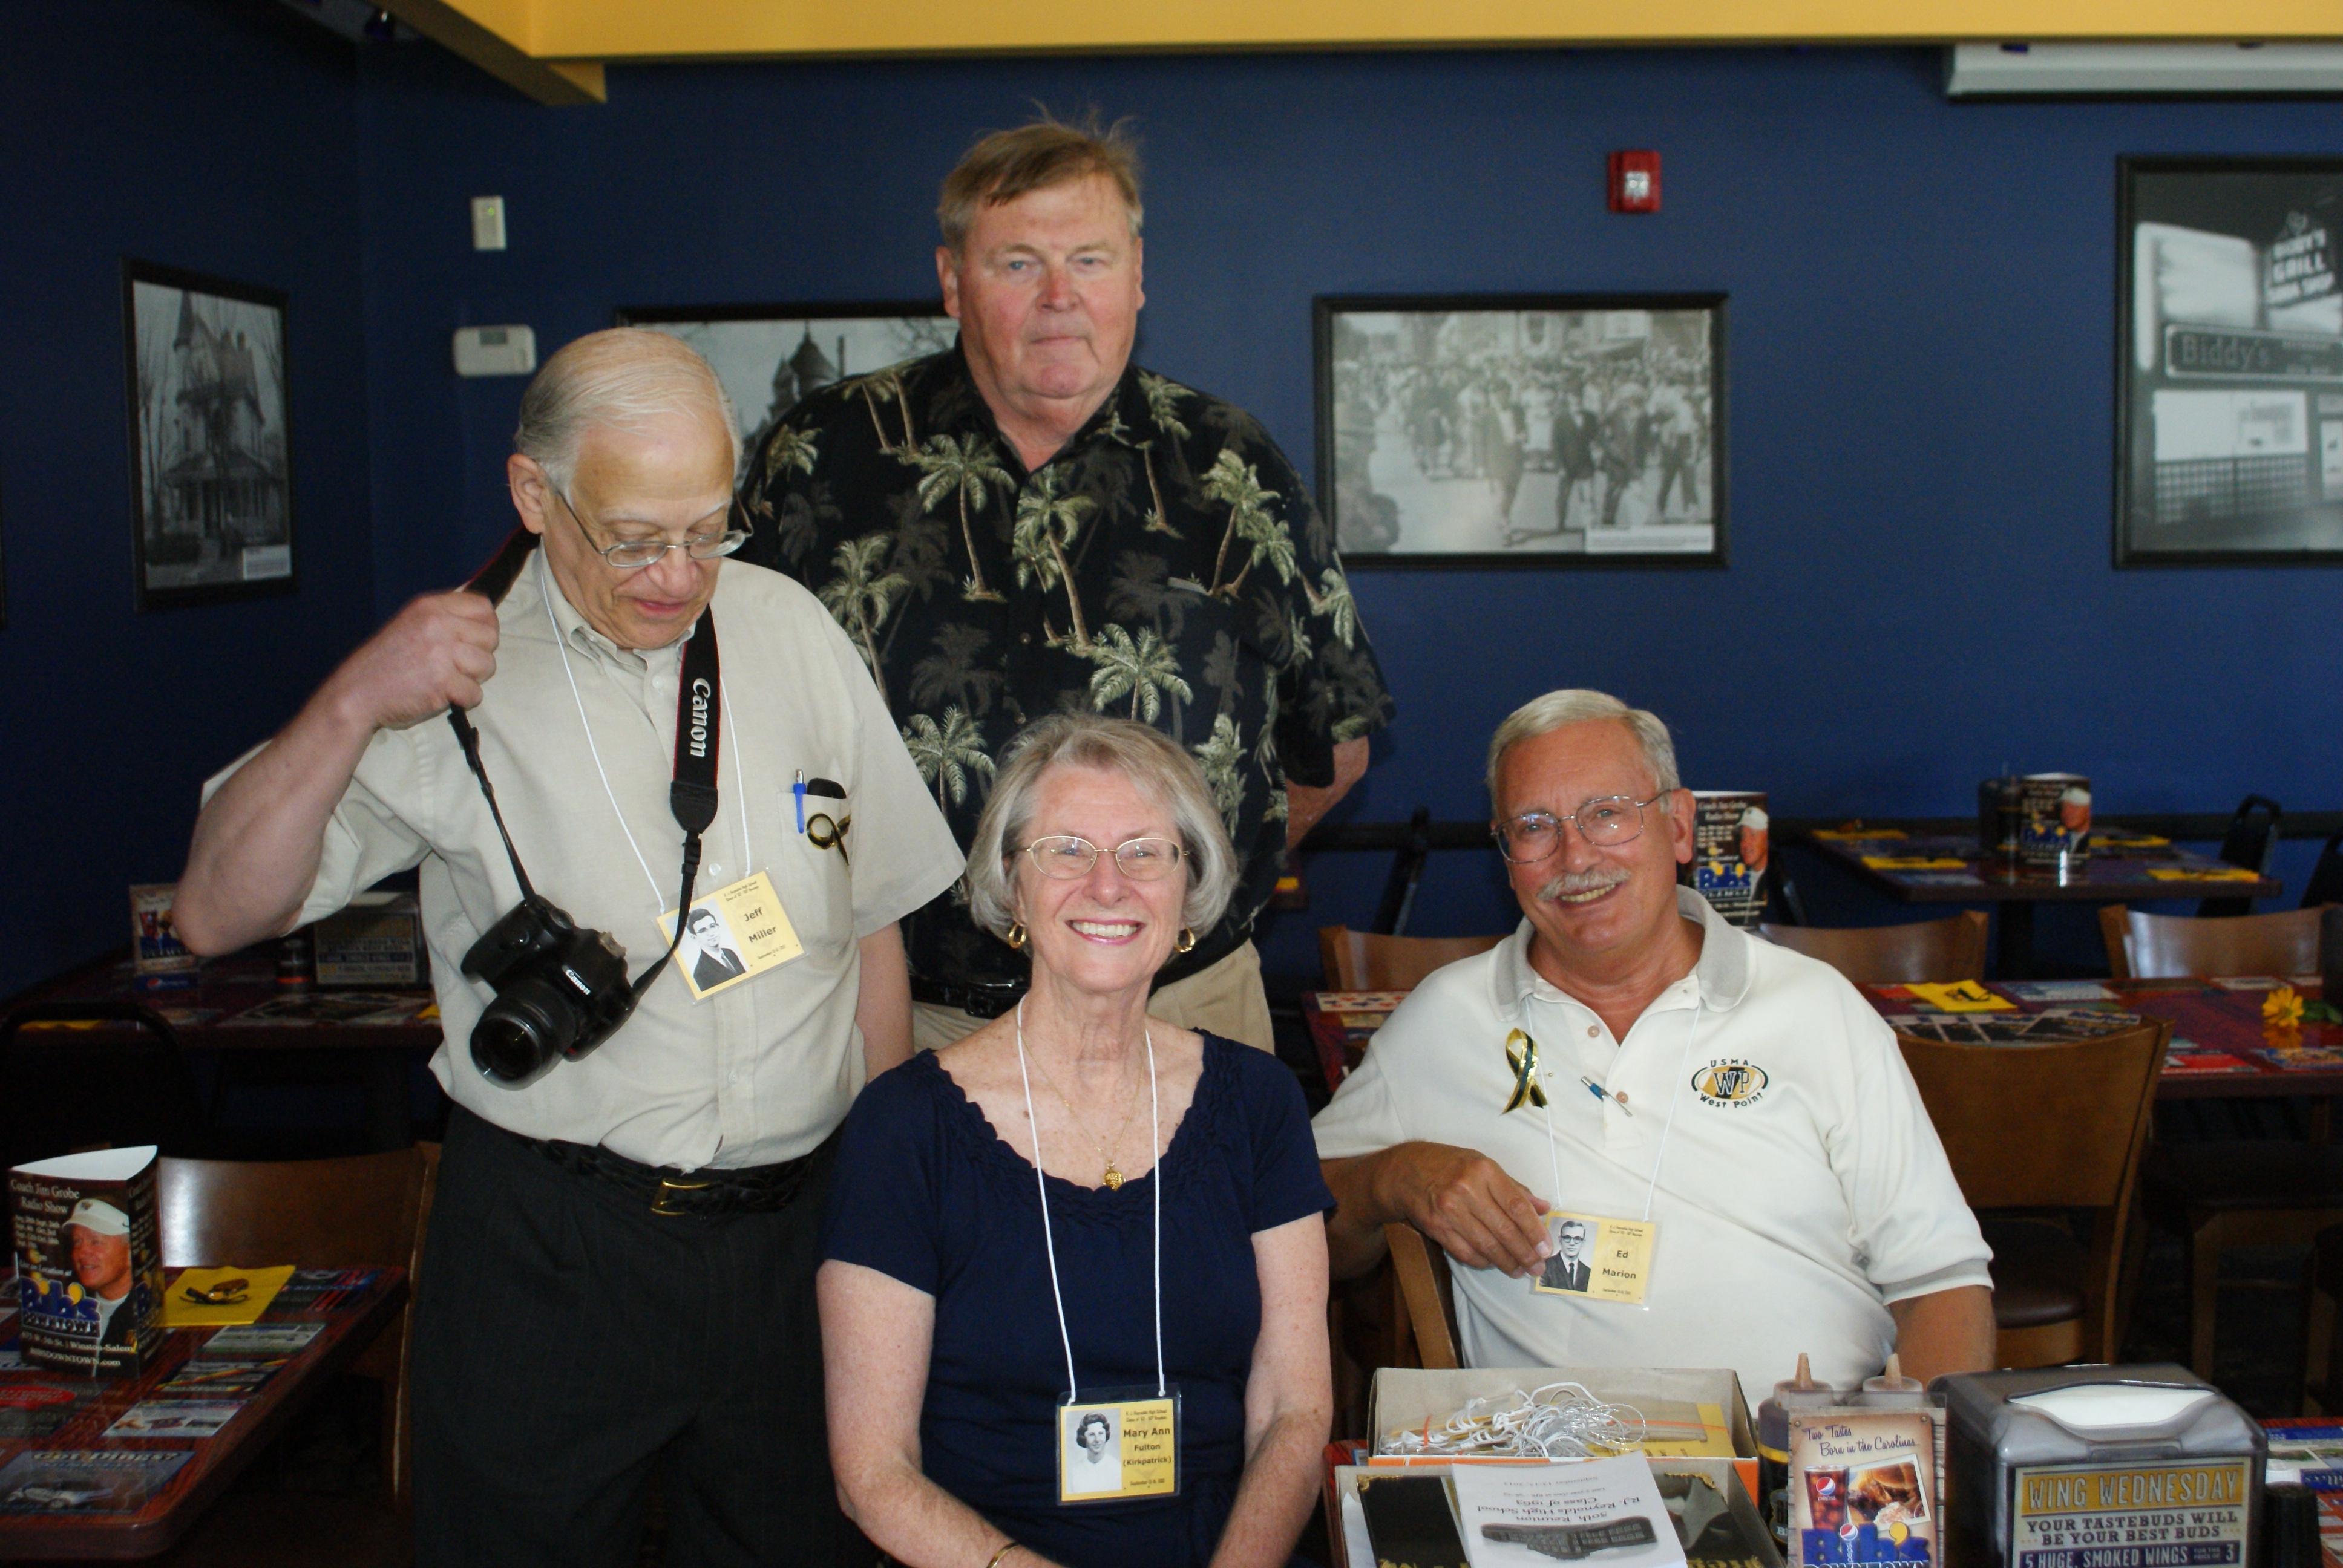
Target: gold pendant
1113 1178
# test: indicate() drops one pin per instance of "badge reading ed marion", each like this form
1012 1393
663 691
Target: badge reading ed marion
733 934
1597 1258
1117 1442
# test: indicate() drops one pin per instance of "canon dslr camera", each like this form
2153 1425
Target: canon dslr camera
561 990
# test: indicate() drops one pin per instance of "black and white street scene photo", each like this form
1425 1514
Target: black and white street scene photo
1523 430
2233 361
210 459
769 356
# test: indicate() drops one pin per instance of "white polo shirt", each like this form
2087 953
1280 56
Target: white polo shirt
1793 1197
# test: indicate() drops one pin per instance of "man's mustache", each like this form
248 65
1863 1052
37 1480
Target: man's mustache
1574 883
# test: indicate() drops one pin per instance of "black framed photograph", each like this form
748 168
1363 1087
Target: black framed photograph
211 455
1523 430
2229 375
769 355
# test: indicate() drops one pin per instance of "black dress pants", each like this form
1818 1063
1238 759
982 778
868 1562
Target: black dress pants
567 1340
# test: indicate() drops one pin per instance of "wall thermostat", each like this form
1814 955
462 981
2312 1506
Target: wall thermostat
495 350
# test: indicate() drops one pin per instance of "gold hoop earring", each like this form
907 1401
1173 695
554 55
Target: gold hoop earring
1187 942
1016 936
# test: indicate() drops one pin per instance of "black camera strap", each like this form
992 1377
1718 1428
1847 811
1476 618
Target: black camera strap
699 728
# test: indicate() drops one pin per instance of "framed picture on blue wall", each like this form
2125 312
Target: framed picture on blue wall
1523 430
769 355
2229 372
211 455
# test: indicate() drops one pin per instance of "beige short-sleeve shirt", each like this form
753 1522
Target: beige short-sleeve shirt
761 1072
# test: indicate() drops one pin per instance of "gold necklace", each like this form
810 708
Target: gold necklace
1113 1178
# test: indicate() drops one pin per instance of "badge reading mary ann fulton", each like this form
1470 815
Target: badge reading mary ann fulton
733 934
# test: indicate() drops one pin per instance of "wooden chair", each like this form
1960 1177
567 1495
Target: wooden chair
2034 1127
65 1088
2151 947
2240 1193
1400 1313
2322 1327
2251 843
1427 1327
362 1210
1932 951
1362 961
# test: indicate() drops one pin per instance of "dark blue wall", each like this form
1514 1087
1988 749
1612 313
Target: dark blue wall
1922 334
1921 343
206 135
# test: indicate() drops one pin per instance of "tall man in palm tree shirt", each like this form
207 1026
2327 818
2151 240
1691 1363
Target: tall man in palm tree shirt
1028 522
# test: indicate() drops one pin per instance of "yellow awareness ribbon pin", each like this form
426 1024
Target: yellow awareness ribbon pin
1527 1089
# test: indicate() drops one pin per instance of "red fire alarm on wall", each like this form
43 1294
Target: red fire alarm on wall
1636 182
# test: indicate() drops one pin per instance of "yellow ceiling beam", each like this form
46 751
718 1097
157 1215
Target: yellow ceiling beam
629 29
497 35
553 49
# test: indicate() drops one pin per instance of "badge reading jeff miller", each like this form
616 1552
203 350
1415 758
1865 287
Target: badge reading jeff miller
733 934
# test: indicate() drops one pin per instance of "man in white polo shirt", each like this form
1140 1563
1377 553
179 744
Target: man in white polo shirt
1729 1123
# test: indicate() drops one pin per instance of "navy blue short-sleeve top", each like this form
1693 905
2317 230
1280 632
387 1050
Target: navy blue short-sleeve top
928 1193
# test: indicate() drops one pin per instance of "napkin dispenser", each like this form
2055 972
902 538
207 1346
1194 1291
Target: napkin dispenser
2101 1467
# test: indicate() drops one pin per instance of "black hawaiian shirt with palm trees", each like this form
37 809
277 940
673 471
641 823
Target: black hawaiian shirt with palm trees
1167 565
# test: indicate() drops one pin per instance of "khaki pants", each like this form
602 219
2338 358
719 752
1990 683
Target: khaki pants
1226 998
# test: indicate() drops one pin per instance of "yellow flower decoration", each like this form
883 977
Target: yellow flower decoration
2282 1009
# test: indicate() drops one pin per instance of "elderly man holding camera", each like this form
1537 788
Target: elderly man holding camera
619 1267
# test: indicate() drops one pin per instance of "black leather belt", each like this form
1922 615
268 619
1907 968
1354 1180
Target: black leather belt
750 1190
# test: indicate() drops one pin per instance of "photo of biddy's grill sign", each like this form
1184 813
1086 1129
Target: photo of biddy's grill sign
2232 361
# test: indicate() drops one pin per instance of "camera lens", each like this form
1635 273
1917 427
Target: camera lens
524 1031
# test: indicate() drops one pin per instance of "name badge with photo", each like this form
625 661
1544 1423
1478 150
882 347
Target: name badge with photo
733 934
1597 1258
1117 1442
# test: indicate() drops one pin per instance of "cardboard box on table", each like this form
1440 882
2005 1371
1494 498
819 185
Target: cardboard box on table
1404 1397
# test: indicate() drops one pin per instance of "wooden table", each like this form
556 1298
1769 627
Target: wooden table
215 1016
2210 1020
2113 875
30 1530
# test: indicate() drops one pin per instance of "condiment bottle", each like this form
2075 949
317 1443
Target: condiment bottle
1801 1393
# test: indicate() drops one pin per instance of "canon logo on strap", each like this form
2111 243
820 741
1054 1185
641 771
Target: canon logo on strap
699 718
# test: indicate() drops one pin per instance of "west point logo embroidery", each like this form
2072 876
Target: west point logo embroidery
1730 1083
1521 1055
699 718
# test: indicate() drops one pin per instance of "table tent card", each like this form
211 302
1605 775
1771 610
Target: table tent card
89 1261
1521 1516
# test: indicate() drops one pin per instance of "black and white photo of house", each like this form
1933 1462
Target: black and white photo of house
211 462
1529 430
769 356
2232 329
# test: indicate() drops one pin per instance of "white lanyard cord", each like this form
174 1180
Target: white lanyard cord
1553 1161
561 645
740 780
1040 1186
1675 1087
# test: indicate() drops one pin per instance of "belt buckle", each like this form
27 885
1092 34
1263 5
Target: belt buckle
668 1188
